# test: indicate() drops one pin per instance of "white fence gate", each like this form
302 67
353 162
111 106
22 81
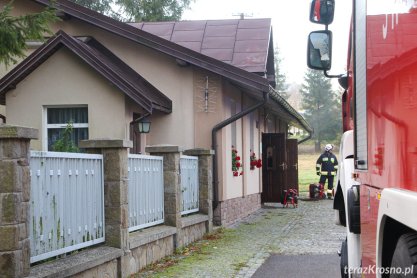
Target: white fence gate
66 203
146 191
189 184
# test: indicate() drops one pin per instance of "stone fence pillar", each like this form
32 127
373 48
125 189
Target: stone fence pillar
205 169
116 210
15 200
172 185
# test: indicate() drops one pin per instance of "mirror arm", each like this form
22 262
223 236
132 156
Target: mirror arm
331 76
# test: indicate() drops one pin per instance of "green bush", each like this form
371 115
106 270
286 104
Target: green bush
65 143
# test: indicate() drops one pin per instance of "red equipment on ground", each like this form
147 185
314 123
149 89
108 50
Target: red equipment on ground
289 196
316 191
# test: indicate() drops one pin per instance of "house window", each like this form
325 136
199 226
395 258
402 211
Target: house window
57 119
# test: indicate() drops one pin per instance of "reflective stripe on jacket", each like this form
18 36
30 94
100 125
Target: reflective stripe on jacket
327 164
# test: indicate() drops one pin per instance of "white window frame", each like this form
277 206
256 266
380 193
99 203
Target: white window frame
48 126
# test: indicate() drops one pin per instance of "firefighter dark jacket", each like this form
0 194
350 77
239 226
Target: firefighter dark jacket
326 164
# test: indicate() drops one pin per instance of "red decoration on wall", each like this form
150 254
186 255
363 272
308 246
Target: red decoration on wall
236 164
254 162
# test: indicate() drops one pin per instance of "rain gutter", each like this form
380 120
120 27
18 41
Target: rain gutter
310 134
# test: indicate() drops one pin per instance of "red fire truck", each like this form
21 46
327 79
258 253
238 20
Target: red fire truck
376 195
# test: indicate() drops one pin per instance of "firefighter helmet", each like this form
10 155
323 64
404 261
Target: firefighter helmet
328 147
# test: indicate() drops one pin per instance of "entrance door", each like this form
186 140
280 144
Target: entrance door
292 163
274 167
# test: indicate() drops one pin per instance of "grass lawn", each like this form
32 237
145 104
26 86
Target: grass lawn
307 170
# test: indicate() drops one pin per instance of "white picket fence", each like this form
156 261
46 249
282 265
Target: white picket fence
146 191
189 184
66 204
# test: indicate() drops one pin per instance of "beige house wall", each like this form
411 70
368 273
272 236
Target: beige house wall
162 72
230 186
76 84
2 112
252 178
207 115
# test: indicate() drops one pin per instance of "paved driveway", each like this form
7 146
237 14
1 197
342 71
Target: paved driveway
266 243
299 266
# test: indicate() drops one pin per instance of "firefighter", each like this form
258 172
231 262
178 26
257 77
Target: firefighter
326 168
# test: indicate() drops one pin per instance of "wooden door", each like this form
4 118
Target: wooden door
292 164
274 167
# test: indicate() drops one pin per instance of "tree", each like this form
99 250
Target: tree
101 6
154 10
280 78
322 108
139 10
16 30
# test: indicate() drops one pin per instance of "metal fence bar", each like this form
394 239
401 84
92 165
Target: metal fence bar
146 191
189 184
67 203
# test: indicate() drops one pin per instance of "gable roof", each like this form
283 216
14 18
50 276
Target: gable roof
101 60
241 43
244 78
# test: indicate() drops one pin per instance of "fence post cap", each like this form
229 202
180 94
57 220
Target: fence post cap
18 132
105 144
164 149
198 152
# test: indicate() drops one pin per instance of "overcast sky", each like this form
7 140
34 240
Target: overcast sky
291 26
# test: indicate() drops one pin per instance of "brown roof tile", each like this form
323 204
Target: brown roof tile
252 34
224 55
187 36
243 60
196 46
223 22
190 25
223 40
219 43
159 29
250 46
220 31
255 23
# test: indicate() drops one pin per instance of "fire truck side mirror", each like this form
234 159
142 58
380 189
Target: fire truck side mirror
322 11
319 50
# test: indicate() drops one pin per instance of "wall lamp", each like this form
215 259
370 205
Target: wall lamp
142 124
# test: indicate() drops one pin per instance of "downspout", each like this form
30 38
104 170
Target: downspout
310 134
214 131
